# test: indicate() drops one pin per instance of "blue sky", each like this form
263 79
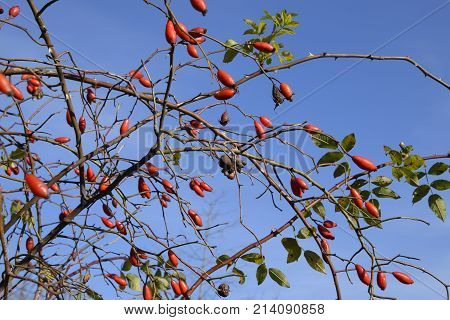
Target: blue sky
383 103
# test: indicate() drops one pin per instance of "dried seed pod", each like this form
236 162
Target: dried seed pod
223 290
224 118
277 97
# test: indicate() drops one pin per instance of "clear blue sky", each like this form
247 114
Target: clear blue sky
383 103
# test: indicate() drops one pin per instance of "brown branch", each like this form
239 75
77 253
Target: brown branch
287 224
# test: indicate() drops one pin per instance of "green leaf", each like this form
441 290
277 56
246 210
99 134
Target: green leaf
341 168
261 27
161 283
304 233
319 209
315 261
285 56
406 150
420 174
251 23
307 213
354 214
261 273
133 281
348 142
414 162
440 185
330 157
382 181
176 274
397 173
437 204
16 206
222 258
146 268
93 295
365 194
382 192
323 141
240 274
279 277
250 31
126 266
395 156
343 202
357 184
438 168
17 154
230 43
410 176
293 249
230 54
176 157
253 257
420 192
